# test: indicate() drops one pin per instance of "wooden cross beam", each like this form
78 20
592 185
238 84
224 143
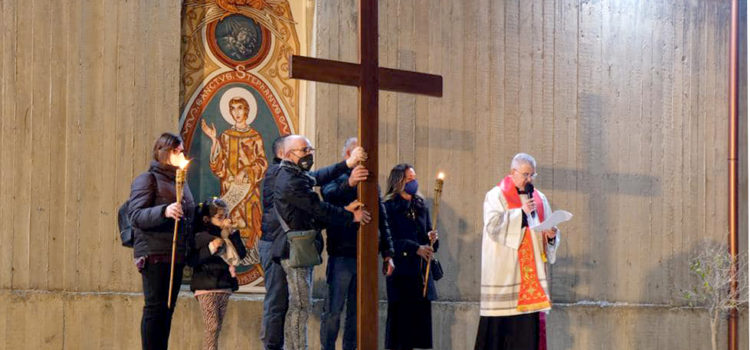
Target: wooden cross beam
369 78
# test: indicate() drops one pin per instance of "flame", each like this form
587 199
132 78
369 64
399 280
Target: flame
179 160
184 163
441 175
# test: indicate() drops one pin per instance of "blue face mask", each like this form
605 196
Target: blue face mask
411 187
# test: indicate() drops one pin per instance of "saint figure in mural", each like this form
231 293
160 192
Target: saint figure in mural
238 159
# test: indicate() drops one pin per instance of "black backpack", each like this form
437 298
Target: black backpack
123 222
127 234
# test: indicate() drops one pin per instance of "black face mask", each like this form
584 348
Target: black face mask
306 162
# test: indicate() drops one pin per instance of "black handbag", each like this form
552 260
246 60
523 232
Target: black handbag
436 270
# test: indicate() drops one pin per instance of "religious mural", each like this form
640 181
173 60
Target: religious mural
236 100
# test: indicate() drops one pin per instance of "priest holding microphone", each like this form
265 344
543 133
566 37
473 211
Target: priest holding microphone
514 288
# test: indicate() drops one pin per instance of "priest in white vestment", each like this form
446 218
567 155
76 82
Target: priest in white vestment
515 290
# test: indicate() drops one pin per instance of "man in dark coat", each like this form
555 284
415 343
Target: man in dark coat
276 303
341 244
301 209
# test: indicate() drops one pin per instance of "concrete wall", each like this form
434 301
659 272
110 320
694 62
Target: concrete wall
82 320
85 91
628 97
624 106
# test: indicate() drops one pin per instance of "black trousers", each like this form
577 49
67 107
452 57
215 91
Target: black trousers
409 324
157 318
520 332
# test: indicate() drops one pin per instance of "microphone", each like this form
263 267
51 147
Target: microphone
530 192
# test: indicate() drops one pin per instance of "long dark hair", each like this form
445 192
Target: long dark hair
397 180
164 145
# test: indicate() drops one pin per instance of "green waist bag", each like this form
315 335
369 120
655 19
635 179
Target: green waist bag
302 249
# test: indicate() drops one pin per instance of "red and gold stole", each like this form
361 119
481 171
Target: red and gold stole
531 295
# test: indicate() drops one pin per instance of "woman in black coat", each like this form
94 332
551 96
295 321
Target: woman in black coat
152 211
409 321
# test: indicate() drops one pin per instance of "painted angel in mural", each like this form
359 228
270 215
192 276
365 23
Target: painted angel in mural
238 159
262 11
238 40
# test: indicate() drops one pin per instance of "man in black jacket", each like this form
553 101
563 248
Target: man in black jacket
341 244
275 303
301 209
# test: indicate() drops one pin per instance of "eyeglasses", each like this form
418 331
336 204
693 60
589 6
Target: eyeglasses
527 175
306 150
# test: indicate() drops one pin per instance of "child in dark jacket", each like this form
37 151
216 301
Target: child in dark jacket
217 250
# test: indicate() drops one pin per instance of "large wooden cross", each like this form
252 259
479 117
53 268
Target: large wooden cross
369 78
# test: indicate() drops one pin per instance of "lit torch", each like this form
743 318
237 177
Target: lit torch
435 212
182 164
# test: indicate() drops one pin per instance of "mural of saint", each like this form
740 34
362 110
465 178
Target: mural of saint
234 55
238 159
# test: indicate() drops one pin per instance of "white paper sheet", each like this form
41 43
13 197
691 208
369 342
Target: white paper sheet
557 217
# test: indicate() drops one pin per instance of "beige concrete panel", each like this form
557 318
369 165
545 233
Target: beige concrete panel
512 83
545 103
39 152
592 158
387 101
670 133
675 135
449 147
32 321
85 317
187 324
421 55
128 163
242 324
328 34
58 144
465 226
403 33
92 77
106 102
15 320
4 305
593 327
240 330
716 116
73 157
343 118
126 315
7 129
43 316
22 143
565 281
495 120
624 95
528 47
450 143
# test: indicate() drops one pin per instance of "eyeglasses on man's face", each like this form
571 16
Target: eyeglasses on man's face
305 150
526 175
